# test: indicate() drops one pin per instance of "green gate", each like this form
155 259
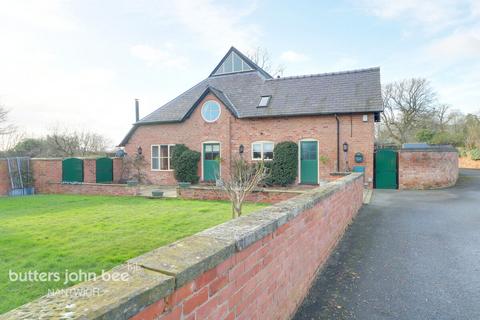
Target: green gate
104 170
72 170
386 169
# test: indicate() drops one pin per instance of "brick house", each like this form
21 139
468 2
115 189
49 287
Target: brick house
241 110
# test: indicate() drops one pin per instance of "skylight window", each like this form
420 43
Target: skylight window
264 101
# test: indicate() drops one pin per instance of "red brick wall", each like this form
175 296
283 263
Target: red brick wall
205 193
268 279
47 171
4 178
90 170
427 169
232 132
90 189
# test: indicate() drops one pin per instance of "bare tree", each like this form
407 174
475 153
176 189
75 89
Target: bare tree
262 58
66 142
244 177
406 104
5 128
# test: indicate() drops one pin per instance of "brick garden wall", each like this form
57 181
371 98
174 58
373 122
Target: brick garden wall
258 266
90 189
231 132
47 174
427 169
211 193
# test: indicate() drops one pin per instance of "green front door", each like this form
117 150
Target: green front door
211 161
309 162
386 169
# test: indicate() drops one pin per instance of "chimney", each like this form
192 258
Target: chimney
137 111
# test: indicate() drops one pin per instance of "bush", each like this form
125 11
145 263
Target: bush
177 151
186 166
284 167
475 154
268 180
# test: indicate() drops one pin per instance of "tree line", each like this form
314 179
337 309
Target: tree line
413 113
58 142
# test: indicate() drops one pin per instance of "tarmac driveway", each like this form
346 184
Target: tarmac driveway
408 255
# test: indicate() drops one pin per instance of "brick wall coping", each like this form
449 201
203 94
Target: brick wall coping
267 190
431 149
92 184
156 274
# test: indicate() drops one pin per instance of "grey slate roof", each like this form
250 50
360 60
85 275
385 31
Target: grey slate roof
342 92
355 91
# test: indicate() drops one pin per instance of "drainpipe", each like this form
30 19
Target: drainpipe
338 142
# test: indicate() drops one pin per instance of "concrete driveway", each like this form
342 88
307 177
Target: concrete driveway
408 255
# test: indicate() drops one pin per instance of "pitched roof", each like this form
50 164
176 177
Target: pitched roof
353 91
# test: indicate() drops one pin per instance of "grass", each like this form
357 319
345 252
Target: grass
55 233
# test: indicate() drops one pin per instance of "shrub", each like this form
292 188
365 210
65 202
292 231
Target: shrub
475 154
177 151
284 168
186 166
269 178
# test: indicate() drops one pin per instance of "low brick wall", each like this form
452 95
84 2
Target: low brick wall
212 193
4 179
89 189
427 169
258 266
49 170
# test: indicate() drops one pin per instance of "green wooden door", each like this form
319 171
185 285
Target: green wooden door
72 170
104 170
309 162
211 161
386 169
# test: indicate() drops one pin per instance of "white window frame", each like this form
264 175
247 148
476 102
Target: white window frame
169 156
261 150
219 111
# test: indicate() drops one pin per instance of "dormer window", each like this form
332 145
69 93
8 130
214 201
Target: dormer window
264 101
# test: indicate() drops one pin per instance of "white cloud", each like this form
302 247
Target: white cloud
165 57
292 56
460 44
431 15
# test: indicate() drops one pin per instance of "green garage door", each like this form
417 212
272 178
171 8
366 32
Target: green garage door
386 169
308 162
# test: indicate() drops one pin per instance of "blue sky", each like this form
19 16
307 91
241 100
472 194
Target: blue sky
81 63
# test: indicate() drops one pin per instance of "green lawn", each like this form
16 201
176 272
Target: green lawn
54 233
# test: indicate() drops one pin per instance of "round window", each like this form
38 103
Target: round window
211 111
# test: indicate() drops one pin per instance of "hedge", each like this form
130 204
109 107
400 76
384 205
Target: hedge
185 164
284 167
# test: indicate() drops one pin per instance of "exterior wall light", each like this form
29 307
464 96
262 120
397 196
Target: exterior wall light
241 149
345 147
139 150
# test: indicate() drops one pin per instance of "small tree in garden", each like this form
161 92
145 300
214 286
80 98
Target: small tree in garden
244 177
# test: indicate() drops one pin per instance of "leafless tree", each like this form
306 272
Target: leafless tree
243 178
406 104
262 58
5 127
66 142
